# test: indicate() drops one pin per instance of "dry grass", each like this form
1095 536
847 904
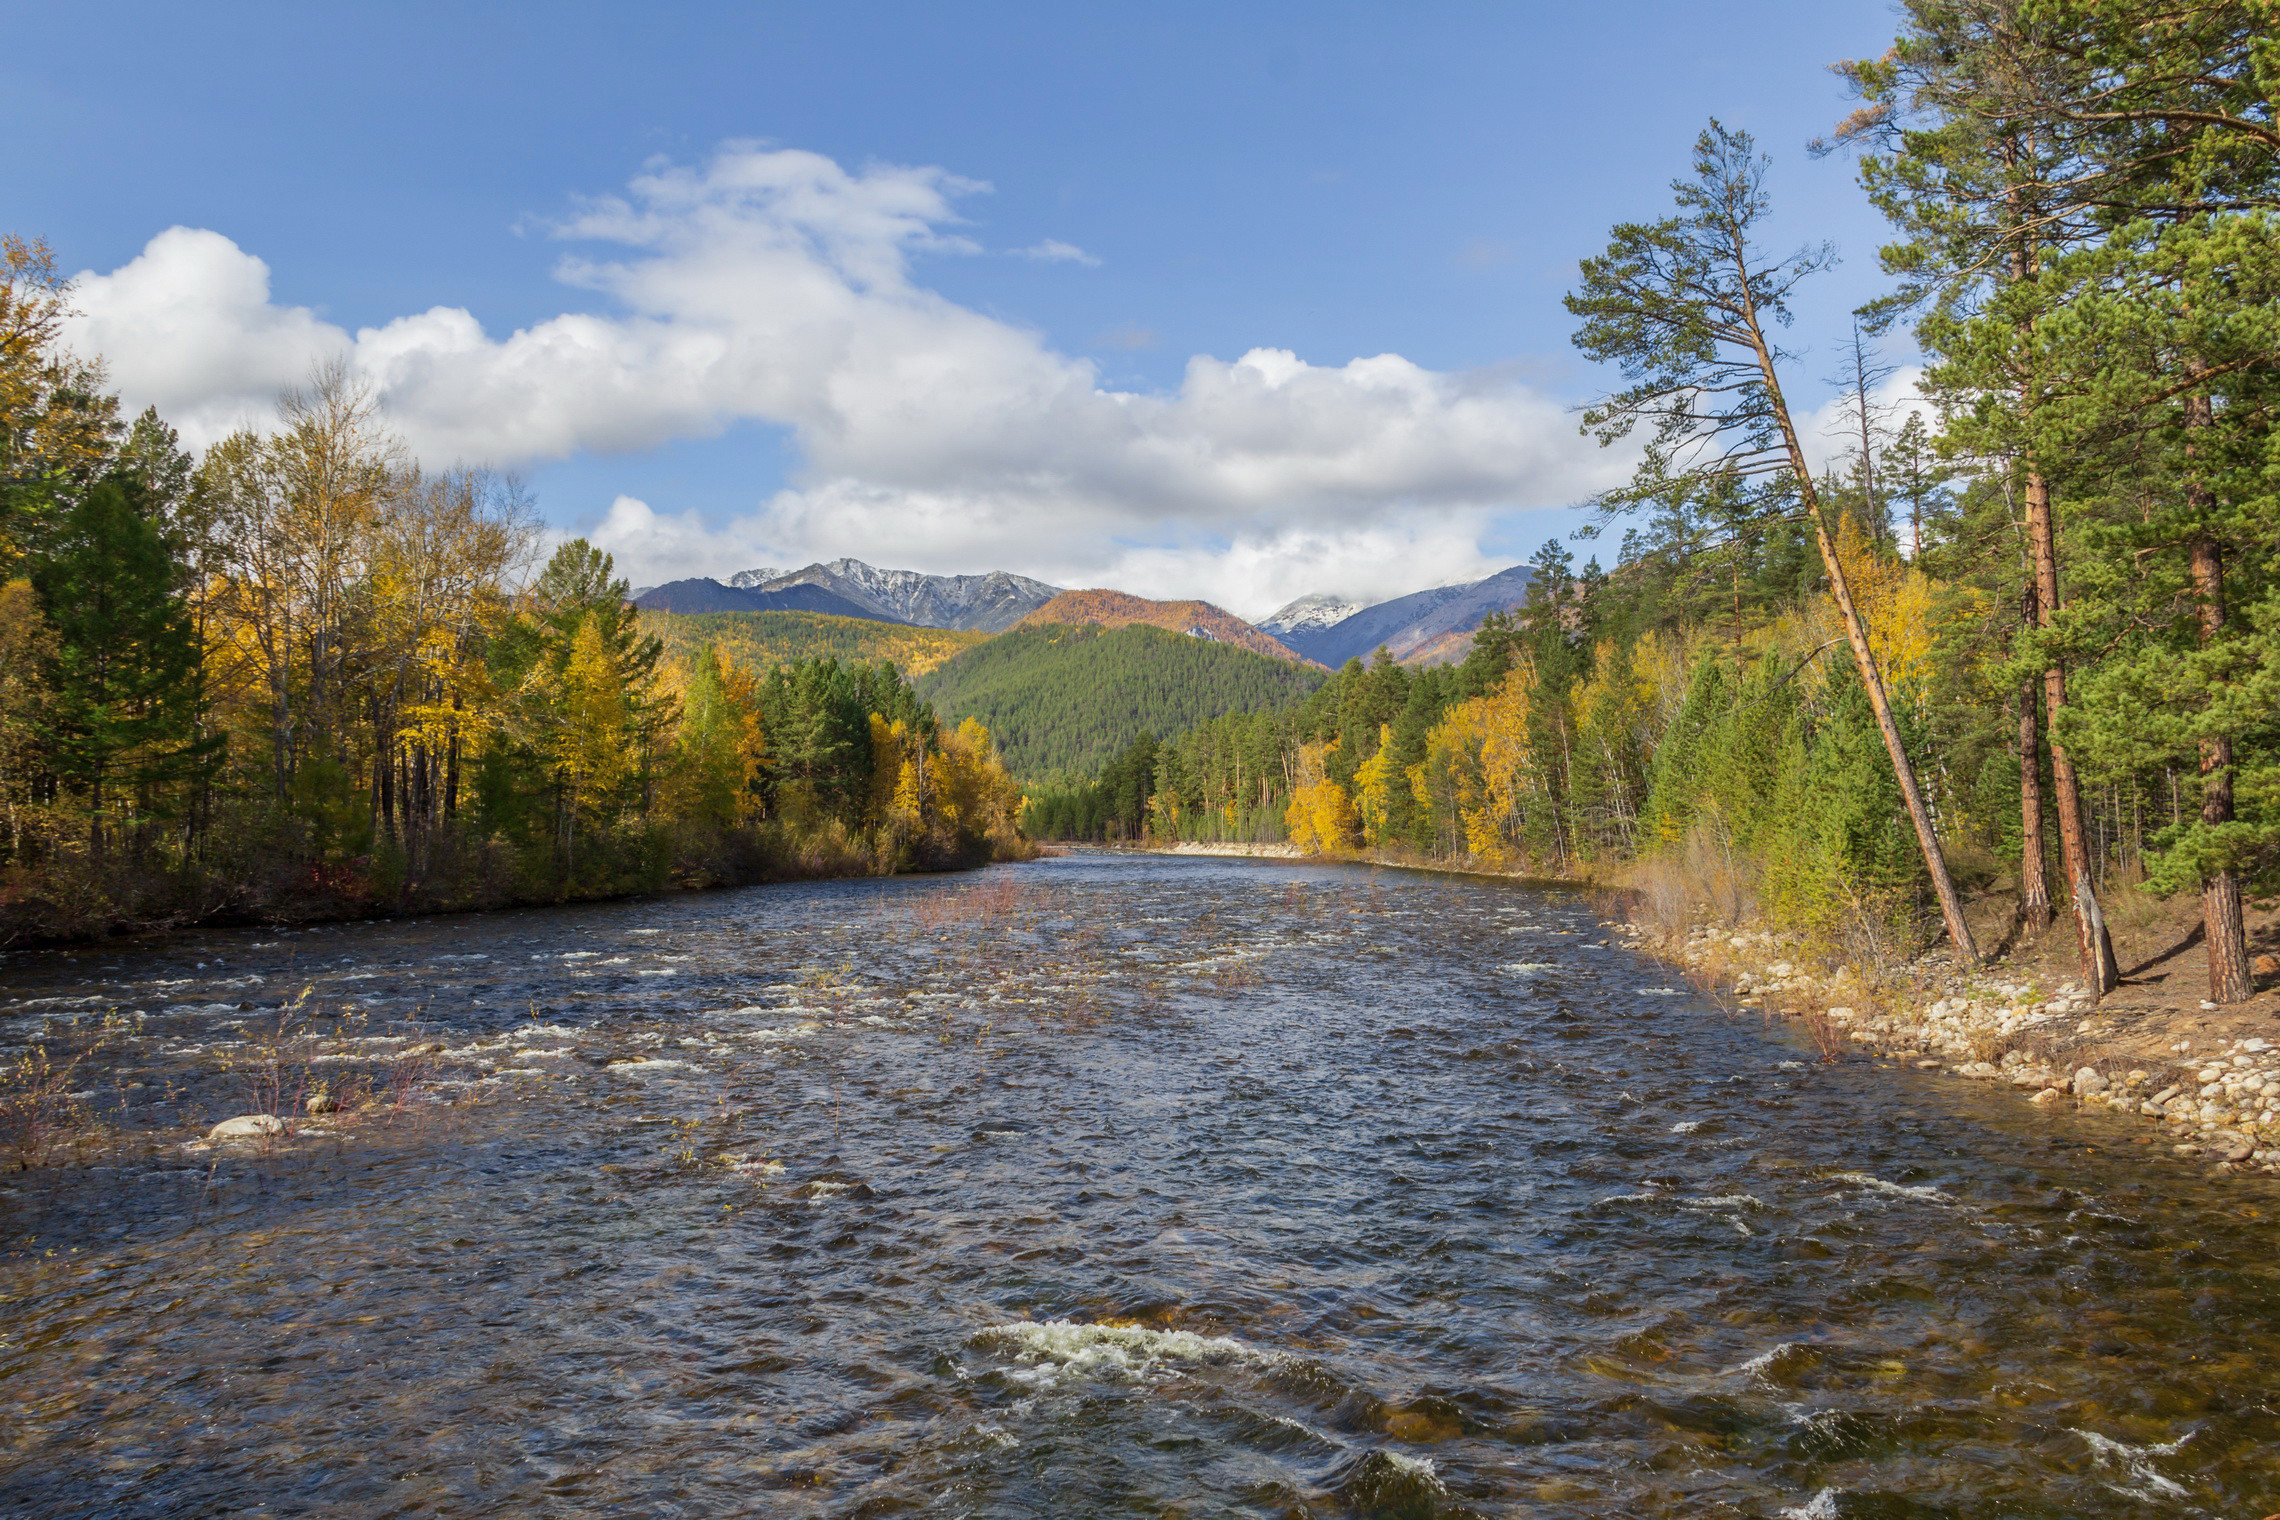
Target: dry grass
40 1115
989 904
1702 880
285 1069
1830 1039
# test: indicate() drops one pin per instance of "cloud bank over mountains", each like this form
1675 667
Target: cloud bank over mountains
773 286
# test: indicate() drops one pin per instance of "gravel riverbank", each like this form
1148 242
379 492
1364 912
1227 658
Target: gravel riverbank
2203 1077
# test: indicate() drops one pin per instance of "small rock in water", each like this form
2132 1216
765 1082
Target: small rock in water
324 1103
2087 1081
2231 1145
246 1127
2047 1095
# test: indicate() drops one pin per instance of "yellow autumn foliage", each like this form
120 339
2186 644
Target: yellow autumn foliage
1479 769
1321 817
1895 603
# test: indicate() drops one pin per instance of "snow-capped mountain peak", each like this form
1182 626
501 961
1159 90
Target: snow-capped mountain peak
1317 610
992 602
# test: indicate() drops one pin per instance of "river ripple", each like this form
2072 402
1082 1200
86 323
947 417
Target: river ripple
1094 1187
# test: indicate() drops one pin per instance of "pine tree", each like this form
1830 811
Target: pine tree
1684 306
122 718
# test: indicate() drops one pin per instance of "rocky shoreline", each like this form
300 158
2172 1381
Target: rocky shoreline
2216 1098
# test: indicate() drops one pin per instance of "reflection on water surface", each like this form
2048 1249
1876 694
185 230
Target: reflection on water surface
1094 1187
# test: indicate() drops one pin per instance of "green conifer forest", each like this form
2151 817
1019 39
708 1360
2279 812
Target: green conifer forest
2022 638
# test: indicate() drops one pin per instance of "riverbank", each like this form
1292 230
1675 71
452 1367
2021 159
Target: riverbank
1404 860
2205 1080
60 910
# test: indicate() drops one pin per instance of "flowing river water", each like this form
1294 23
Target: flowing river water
1095 1187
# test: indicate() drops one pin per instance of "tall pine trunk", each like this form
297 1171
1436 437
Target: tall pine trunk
2226 937
1856 634
2091 938
2034 873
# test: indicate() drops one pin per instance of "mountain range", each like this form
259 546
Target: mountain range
698 596
1415 629
1320 610
1429 627
991 603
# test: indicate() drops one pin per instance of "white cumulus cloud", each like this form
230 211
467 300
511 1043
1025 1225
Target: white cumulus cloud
775 286
1054 251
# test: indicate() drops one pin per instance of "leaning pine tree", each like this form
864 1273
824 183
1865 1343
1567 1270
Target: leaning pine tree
1681 306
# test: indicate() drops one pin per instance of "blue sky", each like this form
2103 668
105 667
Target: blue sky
1334 182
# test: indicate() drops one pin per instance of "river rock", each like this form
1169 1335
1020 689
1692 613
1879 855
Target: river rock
247 1127
1979 1070
2047 1095
2087 1081
2231 1145
324 1103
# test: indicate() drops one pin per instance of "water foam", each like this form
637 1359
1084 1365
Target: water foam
2136 1461
1761 1361
1822 1506
1059 1349
1896 1189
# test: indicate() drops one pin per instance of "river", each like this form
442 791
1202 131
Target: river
1099 1186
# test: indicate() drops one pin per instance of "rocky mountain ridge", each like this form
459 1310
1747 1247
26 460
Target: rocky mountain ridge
992 602
1319 609
1423 627
1121 609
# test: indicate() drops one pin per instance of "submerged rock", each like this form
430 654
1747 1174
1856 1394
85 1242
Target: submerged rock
2231 1145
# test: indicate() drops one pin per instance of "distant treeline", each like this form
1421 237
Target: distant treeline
1063 700
2025 636
301 675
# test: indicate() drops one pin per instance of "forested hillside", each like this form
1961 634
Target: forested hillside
2023 641
1118 609
759 640
1062 701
